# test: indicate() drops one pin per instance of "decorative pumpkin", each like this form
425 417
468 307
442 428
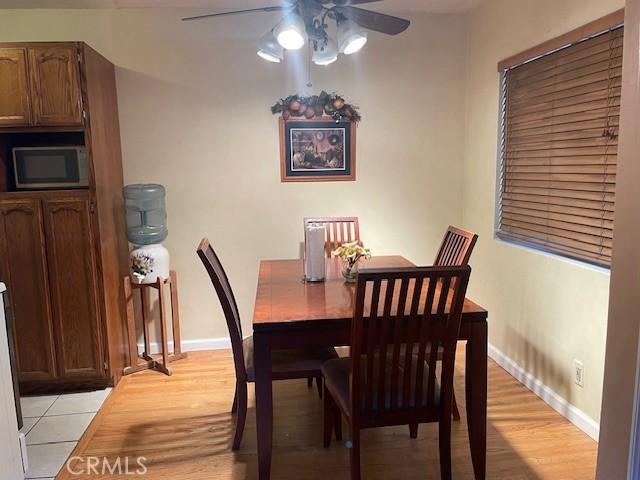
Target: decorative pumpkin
310 113
295 105
302 109
338 103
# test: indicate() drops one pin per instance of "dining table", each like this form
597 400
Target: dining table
293 314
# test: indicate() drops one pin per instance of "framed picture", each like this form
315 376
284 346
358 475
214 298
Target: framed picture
317 150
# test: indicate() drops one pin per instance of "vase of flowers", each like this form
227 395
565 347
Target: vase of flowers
351 254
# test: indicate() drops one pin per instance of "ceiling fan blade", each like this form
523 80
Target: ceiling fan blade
378 22
237 12
344 3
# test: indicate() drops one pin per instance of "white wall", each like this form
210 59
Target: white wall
194 114
544 311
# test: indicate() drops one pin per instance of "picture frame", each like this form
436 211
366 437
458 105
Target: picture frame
317 150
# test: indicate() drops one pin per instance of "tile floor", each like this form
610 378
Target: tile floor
53 424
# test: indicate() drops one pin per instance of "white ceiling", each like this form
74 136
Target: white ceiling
429 6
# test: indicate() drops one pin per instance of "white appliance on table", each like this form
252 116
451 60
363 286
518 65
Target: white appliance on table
13 453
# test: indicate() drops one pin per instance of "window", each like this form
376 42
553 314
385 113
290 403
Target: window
559 141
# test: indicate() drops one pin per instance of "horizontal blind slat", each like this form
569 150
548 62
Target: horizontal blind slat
565 203
569 72
574 160
591 239
579 223
540 105
554 111
601 122
598 213
553 193
599 53
528 97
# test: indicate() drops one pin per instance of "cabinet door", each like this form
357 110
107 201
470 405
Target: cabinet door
14 88
23 267
73 285
55 85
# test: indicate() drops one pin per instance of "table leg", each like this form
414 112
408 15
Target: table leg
264 403
476 395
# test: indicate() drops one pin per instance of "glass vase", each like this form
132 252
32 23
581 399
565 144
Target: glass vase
350 271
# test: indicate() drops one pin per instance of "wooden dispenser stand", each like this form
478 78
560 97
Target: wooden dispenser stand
146 361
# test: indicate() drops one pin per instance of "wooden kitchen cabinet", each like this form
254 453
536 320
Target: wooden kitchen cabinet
73 286
63 253
40 86
23 266
15 106
55 85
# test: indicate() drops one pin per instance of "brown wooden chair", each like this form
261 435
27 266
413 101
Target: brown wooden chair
402 317
339 230
455 250
286 364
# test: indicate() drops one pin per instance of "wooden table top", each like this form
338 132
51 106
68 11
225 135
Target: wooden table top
283 298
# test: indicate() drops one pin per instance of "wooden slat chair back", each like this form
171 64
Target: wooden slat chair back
456 248
400 314
223 289
402 319
339 230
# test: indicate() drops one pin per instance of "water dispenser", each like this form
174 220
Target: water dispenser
146 218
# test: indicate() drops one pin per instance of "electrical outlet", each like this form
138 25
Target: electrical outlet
579 373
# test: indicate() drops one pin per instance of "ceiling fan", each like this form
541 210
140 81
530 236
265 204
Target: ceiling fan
306 20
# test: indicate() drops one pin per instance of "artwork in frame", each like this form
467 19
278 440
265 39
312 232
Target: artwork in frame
317 150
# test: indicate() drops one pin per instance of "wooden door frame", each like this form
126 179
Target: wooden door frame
616 447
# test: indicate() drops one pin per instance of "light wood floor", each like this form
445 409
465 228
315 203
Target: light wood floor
183 427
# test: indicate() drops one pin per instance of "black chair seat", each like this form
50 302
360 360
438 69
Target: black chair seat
289 364
337 375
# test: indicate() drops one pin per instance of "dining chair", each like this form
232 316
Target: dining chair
455 250
339 230
286 364
401 318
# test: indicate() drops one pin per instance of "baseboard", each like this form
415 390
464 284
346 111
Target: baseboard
576 416
193 345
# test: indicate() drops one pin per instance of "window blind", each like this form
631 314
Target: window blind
559 145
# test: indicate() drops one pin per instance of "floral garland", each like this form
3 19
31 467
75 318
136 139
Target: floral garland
332 105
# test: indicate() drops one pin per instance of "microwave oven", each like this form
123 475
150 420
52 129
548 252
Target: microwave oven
44 168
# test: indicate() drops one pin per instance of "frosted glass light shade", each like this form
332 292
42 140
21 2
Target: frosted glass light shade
351 37
270 49
291 32
326 55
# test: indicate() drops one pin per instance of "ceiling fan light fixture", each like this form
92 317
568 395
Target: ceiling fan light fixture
268 57
269 48
327 54
291 32
351 37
